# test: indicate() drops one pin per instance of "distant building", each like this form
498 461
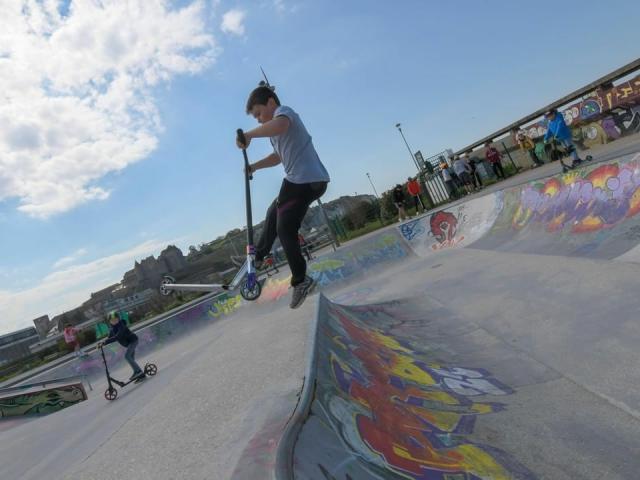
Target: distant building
71 317
148 273
15 345
134 302
43 325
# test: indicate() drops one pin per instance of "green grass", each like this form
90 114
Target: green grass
368 228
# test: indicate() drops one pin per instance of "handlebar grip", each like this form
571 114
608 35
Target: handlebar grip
240 137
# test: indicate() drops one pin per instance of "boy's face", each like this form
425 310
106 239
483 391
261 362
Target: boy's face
264 113
113 320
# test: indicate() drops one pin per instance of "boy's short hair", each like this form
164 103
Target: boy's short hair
260 96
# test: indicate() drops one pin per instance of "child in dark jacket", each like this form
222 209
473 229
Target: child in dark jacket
119 332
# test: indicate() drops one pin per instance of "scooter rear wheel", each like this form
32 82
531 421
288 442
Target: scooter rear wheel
150 369
250 294
111 393
165 281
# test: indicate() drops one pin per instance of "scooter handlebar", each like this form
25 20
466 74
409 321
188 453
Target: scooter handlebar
242 140
240 137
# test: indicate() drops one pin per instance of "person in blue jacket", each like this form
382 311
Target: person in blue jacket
119 332
558 130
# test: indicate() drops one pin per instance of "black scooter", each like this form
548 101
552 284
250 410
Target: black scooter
150 369
247 276
558 152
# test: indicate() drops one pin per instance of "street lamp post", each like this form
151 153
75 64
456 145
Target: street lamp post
418 166
373 186
415 162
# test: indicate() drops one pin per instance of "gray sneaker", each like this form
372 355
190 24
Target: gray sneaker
301 291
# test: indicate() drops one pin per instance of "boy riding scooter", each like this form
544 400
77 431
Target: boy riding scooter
119 332
557 129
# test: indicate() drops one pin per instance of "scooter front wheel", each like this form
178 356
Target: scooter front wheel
250 294
150 369
110 393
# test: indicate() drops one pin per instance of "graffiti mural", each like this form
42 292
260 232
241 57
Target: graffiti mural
584 201
398 412
453 227
41 401
225 306
274 289
355 259
606 115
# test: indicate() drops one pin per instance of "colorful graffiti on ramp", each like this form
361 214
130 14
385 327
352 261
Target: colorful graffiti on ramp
591 212
384 409
457 226
40 400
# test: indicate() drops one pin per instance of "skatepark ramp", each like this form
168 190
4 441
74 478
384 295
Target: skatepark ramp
396 389
380 403
41 398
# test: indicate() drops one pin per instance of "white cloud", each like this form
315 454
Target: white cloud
69 287
232 22
76 97
71 258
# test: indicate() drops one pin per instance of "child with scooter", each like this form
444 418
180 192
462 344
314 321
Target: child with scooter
119 332
305 181
558 130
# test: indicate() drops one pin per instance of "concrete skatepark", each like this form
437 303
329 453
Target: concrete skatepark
495 338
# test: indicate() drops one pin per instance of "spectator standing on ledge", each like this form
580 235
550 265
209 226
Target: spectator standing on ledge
473 171
71 338
494 157
462 169
398 201
454 176
413 187
529 145
446 176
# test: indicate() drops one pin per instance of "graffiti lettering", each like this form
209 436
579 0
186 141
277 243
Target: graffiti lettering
583 202
407 415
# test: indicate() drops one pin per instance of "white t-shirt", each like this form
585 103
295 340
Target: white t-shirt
295 149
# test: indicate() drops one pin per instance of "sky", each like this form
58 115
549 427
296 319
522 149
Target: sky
118 119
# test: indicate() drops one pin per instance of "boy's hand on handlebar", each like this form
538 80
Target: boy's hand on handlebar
247 140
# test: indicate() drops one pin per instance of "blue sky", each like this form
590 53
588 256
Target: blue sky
117 127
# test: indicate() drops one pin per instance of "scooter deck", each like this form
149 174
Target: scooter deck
210 287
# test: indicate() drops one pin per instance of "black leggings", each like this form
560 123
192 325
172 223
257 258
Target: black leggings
284 217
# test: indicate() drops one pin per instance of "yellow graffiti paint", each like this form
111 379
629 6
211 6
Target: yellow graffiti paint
468 458
326 265
389 342
225 307
404 367
481 464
